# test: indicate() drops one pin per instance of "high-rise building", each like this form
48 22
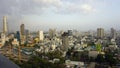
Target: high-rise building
100 33
113 33
3 39
41 35
22 29
5 29
70 32
65 41
52 33
27 33
17 35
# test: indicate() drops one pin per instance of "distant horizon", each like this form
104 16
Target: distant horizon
81 15
46 30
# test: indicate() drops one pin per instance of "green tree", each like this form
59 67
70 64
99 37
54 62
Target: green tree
37 62
98 47
110 58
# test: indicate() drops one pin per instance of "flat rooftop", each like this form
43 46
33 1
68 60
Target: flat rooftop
6 63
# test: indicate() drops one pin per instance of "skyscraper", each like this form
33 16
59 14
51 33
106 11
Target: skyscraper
17 35
100 33
41 35
113 33
27 33
5 25
65 41
22 29
70 32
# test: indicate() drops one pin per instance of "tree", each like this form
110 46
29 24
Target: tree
54 54
37 62
110 58
98 47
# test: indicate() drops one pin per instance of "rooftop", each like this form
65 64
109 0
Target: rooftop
6 63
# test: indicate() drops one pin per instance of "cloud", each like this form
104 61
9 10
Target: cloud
87 8
62 6
48 3
24 7
17 9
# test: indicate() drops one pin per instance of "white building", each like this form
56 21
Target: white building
3 38
71 64
93 54
5 25
53 47
41 35
15 42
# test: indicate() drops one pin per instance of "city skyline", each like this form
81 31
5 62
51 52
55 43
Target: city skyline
60 14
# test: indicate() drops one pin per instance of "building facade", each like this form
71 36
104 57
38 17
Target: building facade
22 29
100 33
113 33
41 35
5 28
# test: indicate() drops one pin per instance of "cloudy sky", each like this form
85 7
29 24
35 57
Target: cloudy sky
60 14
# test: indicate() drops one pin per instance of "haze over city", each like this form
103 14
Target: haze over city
59 34
60 14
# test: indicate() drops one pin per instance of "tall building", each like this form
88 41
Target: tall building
41 35
52 33
27 33
70 32
2 40
113 33
17 35
65 41
100 33
5 28
22 29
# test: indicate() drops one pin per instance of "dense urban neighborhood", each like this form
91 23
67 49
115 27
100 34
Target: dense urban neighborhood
61 49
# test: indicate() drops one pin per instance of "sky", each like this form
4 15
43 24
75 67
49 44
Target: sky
60 14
